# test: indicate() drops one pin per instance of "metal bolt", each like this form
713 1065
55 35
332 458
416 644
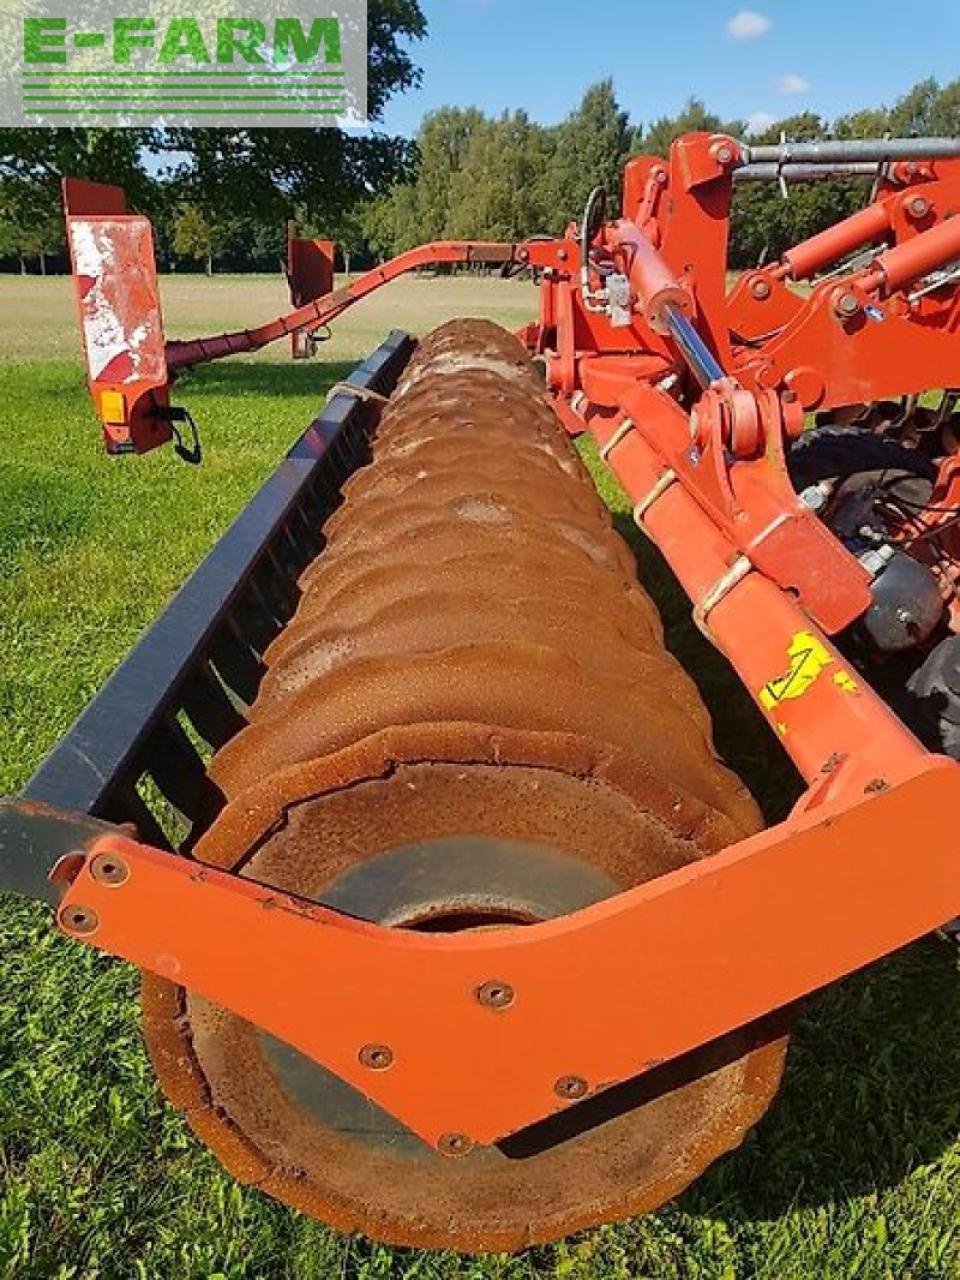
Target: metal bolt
81 920
760 289
570 1087
918 206
109 869
495 995
454 1144
376 1056
722 152
847 305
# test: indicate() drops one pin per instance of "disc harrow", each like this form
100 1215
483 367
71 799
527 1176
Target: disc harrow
460 934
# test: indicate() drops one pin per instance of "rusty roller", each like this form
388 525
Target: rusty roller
471 722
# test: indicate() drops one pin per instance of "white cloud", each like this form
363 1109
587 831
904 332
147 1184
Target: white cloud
791 83
747 25
757 121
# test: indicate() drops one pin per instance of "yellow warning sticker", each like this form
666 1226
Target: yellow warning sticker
808 657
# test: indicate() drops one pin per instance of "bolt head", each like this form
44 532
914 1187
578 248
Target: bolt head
847 305
722 152
79 920
376 1057
760 289
570 1087
495 995
454 1144
110 869
919 206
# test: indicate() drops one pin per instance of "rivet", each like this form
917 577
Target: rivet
570 1087
77 919
107 868
495 995
454 1144
376 1056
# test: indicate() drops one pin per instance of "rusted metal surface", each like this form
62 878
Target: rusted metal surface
472 590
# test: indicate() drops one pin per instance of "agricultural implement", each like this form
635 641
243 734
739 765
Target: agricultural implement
464 936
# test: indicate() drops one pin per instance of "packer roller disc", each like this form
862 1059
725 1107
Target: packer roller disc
470 723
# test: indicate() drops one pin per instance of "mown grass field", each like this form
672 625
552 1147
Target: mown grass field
854 1173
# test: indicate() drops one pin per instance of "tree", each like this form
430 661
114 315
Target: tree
693 118
591 147
269 172
765 223
498 192
443 141
195 235
30 227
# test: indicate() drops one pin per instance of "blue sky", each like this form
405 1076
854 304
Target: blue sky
751 60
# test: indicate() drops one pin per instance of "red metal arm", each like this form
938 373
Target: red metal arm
181 355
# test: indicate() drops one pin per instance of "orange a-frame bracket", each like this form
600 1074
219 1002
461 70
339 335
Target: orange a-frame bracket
602 995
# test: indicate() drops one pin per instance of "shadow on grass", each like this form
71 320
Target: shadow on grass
741 734
870 1087
246 377
869 1093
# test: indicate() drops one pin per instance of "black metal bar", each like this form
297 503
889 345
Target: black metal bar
178 771
33 839
236 663
207 706
96 766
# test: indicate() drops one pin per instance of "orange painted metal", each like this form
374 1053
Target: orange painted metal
603 994
833 716
655 285
121 322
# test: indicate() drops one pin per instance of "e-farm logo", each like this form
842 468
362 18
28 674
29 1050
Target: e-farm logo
110 62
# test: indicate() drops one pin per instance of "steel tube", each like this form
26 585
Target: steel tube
877 150
916 258
863 227
804 172
703 363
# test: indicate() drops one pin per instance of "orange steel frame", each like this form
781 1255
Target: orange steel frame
622 986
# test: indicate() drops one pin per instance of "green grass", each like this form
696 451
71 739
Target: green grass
854 1173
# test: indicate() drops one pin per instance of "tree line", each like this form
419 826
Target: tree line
508 177
221 198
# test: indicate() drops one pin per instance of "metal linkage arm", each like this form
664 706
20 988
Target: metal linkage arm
181 355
